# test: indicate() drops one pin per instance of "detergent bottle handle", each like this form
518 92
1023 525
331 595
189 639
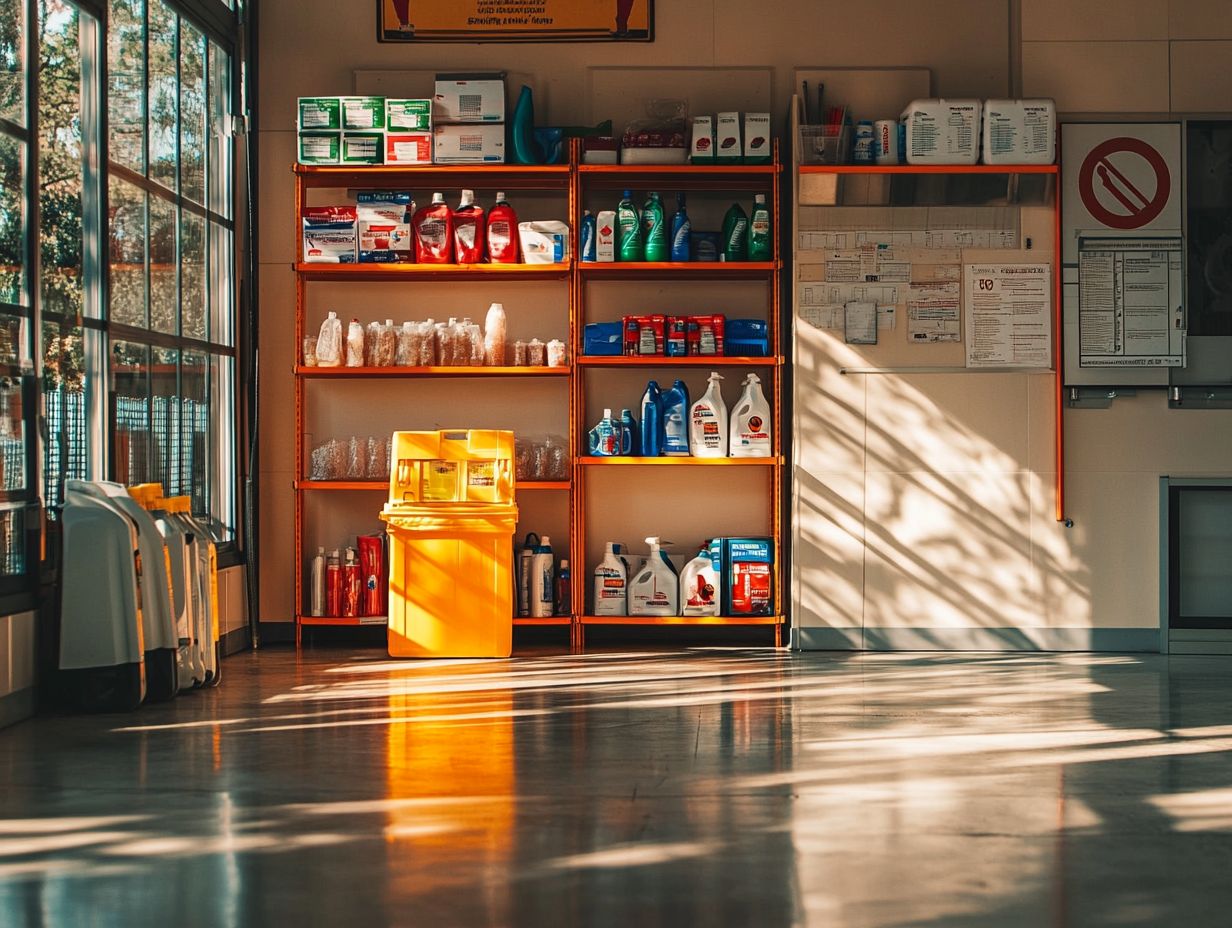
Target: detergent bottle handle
626 441
592 441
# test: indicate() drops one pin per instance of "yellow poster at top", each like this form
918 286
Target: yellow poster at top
515 20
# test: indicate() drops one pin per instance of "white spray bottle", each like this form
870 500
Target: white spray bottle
542 579
611 584
656 588
708 422
750 422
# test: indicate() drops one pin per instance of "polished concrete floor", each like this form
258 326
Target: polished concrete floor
643 789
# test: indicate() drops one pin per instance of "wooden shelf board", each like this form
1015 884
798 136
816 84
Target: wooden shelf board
555 620
629 461
688 361
930 169
371 272
408 372
343 621
718 620
691 270
554 177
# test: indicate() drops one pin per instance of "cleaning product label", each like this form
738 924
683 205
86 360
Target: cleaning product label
408 115
320 147
706 428
544 242
644 335
605 235
467 247
330 235
408 148
588 238
704 334
363 113
702 150
756 138
727 138
320 113
384 233
363 148
500 238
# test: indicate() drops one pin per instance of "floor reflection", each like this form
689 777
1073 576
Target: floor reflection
708 787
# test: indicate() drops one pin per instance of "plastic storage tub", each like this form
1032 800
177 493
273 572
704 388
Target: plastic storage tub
451 518
1020 131
943 131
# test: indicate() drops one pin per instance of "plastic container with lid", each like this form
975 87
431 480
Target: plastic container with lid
943 131
1020 131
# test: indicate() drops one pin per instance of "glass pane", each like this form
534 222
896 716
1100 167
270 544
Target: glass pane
60 160
13 541
128 265
65 455
164 302
12 338
195 430
219 132
131 440
192 113
13 60
12 436
221 511
192 275
164 94
12 220
126 83
165 420
221 294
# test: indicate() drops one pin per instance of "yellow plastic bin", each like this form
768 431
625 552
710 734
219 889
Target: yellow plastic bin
451 517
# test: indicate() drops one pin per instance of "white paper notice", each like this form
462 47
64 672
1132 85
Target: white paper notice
933 312
860 323
1008 315
1131 301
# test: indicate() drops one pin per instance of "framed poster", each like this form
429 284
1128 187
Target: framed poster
515 20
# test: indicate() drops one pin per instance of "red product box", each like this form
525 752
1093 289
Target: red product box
677 332
751 589
705 334
644 335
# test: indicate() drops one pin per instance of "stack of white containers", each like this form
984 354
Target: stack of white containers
953 132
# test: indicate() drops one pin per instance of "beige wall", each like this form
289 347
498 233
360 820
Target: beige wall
1132 56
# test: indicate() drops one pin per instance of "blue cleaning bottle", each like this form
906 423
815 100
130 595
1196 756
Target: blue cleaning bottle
682 229
652 421
629 426
525 151
676 420
606 439
588 236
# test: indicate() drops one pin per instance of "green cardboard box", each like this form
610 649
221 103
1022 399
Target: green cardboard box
363 148
319 114
408 115
363 114
320 147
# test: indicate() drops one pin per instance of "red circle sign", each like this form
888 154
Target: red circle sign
1140 209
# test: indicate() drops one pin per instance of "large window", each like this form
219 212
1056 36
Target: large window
171 302
117 264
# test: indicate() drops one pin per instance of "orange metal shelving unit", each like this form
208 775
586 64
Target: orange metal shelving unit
555 180
740 180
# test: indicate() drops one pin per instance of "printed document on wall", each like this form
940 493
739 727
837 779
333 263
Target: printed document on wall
1008 316
1131 304
933 312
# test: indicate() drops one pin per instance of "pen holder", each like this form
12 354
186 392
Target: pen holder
823 145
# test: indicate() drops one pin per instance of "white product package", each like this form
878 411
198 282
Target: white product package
384 226
330 235
1020 131
943 131
544 241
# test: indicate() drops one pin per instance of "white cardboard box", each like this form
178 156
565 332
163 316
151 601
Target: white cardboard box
468 144
460 98
727 148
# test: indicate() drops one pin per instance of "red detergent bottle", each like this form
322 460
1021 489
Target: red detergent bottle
434 232
502 232
469 231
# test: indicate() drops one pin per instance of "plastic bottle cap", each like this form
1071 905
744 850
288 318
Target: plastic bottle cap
545 541
585 212
759 198
628 194
564 563
320 552
333 315
438 198
468 197
500 196
607 414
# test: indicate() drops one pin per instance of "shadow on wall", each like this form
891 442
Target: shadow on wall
909 514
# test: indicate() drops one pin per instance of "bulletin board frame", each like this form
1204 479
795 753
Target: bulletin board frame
492 21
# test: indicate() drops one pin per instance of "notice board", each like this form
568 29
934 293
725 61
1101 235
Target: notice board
515 20
1123 253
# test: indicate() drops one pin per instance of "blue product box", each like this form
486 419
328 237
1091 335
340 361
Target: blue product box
603 338
748 576
748 338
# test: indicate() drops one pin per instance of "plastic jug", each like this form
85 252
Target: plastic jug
708 422
676 420
700 583
750 422
655 589
609 438
611 584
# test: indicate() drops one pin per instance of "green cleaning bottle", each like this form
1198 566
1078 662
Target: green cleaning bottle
654 232
761 238
735 244
628 231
